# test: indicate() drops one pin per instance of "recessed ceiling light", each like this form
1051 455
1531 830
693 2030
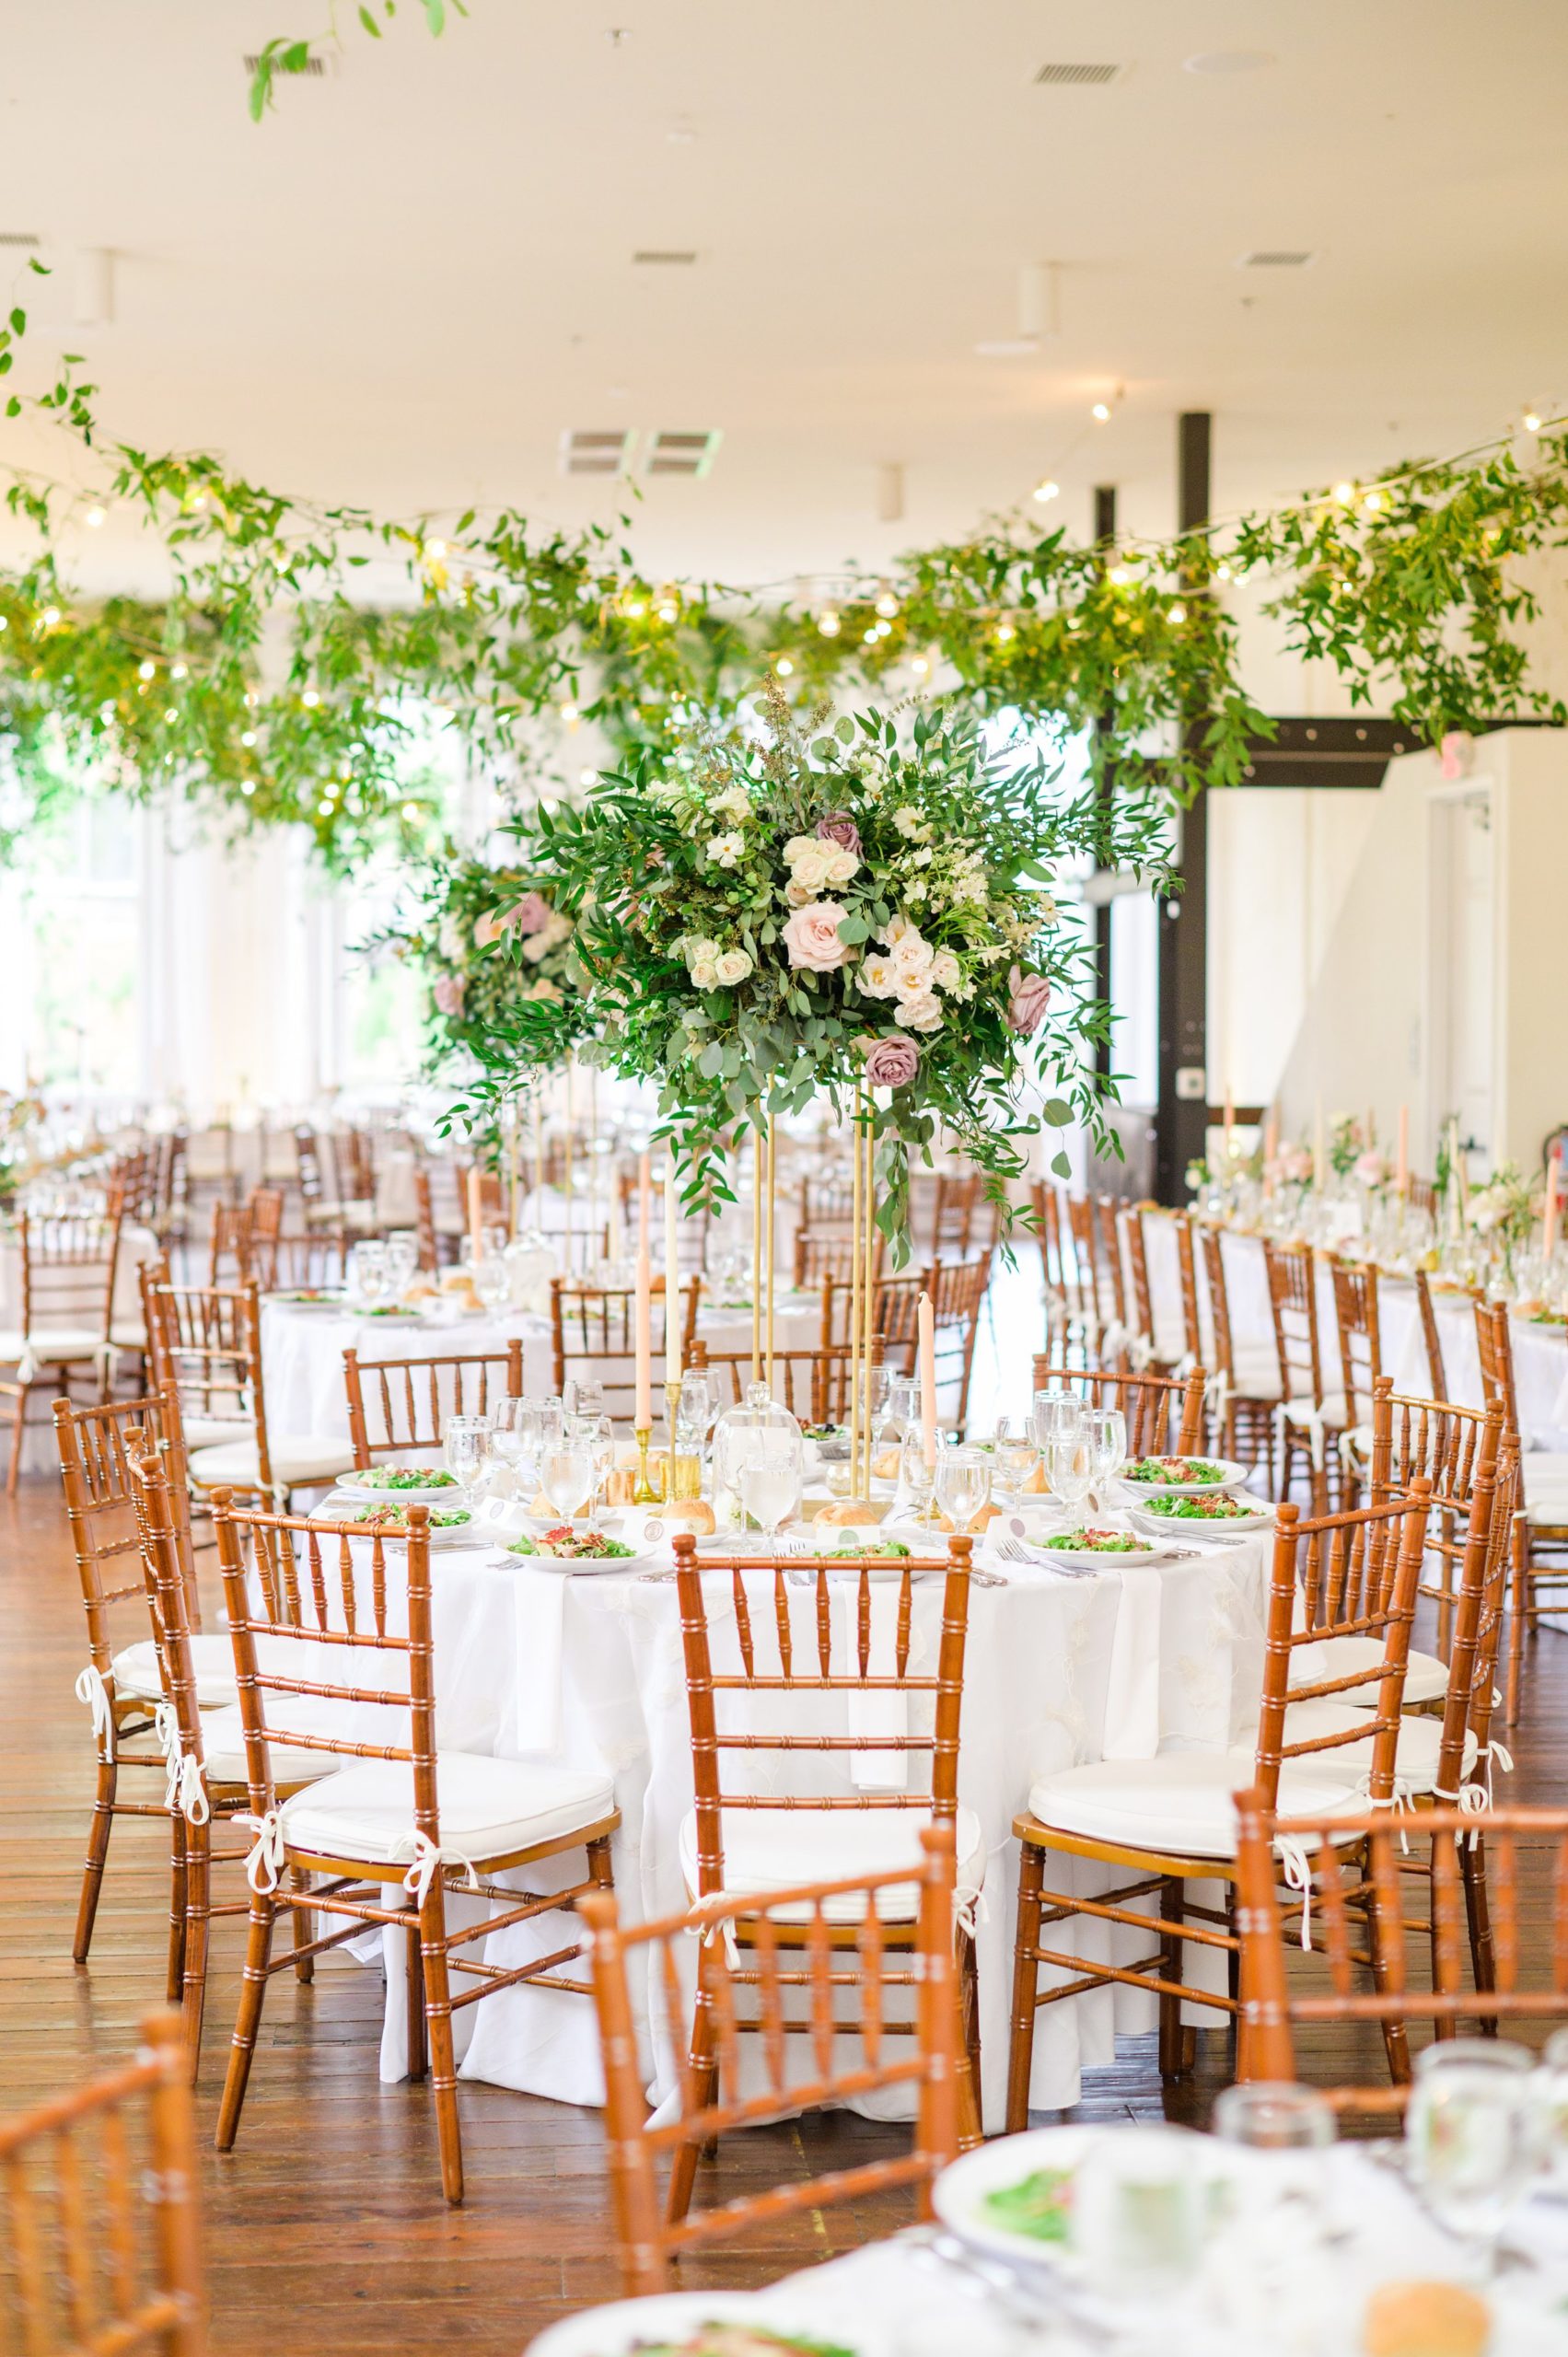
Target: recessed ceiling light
1007 347
1229 61
1079 77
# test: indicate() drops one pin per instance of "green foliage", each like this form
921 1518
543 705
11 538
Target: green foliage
285 55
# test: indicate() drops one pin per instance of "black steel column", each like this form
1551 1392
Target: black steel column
1181 1119
1105 538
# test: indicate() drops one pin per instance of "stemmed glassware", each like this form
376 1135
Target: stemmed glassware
1014 1454
963 1485
1106 1431
597 1434
697 1408
582 1396
770 1478
402 1262
568 1471
1473 2135
509 1437
466 1442
1069 1464
917 1481
372 1276
491 1280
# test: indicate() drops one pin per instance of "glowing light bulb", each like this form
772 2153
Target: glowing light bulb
870 636
668 613
177 670
1531 420
1373 501
148 671
1047 491
1178 612
1005 632
247 786
50 617
920 667
1120 575
435 550
784 668
828 624
251 700
1344 493
1222 572
569 714
311 699
410 811
1100 412
248 736
95 518
171 713
587 777
886 605
884 630
634 606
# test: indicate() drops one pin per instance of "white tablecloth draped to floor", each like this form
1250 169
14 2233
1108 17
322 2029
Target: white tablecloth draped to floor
587 1669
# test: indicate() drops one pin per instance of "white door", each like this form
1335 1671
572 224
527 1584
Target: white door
1462 968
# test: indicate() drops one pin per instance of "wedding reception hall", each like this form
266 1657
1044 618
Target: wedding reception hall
783 1179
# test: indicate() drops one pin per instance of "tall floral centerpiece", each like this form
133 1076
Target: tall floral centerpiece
863 912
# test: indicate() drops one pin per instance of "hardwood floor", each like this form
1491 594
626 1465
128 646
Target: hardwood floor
325 2228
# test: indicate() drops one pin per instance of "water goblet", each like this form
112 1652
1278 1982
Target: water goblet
403 1260
491 1280
1473 2135
582 1396
963 1485
1068 1465
917 1481
372 1277
1106 1429
1138 2214
568 1471
1054 1411
1014 1454
465 1442
770 1481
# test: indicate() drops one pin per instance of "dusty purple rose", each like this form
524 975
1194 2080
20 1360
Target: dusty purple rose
840 829
449 994
1028 995
892 1064
531 913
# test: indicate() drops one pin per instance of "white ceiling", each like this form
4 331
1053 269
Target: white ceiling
402 286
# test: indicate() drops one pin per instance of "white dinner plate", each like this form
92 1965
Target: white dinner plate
591 1566
441 1494
626 2325
460 1534
1092 1559
1230 1475
332 1303
1235 1525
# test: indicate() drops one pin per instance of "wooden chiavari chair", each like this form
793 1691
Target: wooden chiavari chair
1164 1412
205 1340
1172 1819
424 1220
1140 1293
826 1203
122 1682
1431 1336
102 2220
398 1405
453 1820
1421 1196
1273 2002
66 1268
593 1335
1361 1359
958 1294
1540 1548
1247 1397
170 1214
814 1385
205 1757
894 1309
835 1639
1308 1415
1046 1203
1111 1271
1086 1267
816 1971
819 1255
230 1240
960 1198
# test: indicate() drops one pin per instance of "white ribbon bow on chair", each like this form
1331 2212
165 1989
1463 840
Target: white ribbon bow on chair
970 1909
1304 1416
92 1689
1296 1868
186 1789
268 1854
427 1857
713 1918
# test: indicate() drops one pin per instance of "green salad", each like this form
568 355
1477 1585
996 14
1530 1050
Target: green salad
1156 1469
403 1477
566 1545
1097 1542
720 2340
1039 2206
396 1518
893 1548
1224 1508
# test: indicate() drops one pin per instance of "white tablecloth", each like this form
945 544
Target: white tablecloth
1540 1352
587 1669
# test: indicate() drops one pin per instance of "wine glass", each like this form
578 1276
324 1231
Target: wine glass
1138 2214
466 1442
1054 1411
1014 1454
509 1437
917 1481
1280 2206
770 1481
698 1406
372 1277
1106 1429
491 1280
597 1434
568 1473
1472 2133
402 1262
963 1485
1068 1465
582 1396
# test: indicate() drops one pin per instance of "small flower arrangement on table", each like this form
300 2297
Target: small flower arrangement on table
864 911
488 940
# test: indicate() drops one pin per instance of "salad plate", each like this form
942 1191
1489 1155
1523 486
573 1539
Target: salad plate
1094 1547
703 2324
1193 1477
416 1485
308 1297
450 1525
1220 1511
560 1548
1014 2198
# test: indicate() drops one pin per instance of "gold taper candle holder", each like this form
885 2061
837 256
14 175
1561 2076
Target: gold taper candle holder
644 1493
671 1401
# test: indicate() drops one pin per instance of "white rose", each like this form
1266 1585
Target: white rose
705 973
535 947
912 954
945 971
840 863
798 894
808 862
725 849
878 977
732 967
922 1014
734 803
897 928
911 986
453 939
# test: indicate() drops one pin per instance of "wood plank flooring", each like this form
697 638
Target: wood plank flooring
325 2228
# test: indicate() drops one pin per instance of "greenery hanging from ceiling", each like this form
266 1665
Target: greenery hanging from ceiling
286 55
294 669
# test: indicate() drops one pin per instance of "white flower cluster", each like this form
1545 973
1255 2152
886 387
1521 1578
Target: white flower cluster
815 864
536 947
712 967
913 973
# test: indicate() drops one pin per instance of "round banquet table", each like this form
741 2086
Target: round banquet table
302 1351
1541 1352
586 1669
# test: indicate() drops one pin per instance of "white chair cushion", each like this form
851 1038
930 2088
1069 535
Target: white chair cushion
1549 1466
489 1808
1180 1804
1257 1375
216 1431
1299 1411
774 1849
134 1672
128 1334
1550 1513
223 1742
1426 1678
1415 1761
293 1460
51 1342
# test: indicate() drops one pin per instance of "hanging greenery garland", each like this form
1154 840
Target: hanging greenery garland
504 637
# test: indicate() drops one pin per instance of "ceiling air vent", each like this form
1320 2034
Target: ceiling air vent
586 452
1276 258
682 454
1079 77
665 256
17 238
315 69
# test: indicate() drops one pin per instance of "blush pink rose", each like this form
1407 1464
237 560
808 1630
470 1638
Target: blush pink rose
811 937
840 829
531 913
448 995
892 1064
1028 995
488 929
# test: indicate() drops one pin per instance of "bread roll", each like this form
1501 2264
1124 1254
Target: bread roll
849 1514
1425 2320
694 1515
